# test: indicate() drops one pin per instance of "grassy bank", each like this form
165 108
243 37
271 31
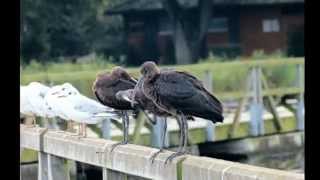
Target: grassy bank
227 76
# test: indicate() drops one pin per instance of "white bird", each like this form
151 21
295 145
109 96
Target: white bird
67 102
32 101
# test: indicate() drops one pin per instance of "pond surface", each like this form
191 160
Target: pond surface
285 160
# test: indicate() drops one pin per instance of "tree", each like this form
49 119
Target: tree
60 28
33 34
189 29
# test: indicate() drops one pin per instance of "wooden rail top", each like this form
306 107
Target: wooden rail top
135 160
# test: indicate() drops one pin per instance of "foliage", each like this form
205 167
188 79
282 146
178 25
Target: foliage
55 28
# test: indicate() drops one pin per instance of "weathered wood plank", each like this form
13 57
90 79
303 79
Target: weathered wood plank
272 105
72 147
31 137
122 157
134 160
237 116
203 168
242 103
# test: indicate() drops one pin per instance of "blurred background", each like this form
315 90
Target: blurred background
234 46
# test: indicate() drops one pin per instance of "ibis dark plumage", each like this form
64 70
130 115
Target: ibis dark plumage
145 104
105 88
179 94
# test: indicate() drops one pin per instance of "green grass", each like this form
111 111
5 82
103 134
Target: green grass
29 155
228 77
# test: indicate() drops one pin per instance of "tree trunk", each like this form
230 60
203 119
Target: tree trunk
182 50
205 14
189 33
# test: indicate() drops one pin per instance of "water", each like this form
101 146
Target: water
292 160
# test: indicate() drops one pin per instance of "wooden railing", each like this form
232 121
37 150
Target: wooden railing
257 90
132 161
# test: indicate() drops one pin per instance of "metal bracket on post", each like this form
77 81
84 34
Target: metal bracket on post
300 105
256 106
210 129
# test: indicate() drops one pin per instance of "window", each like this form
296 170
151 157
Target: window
218 25
270 25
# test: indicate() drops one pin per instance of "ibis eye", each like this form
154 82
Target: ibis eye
70 93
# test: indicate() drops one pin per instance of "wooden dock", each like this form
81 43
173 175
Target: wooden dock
132 161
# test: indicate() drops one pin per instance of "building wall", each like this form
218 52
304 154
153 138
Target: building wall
217 39
252 36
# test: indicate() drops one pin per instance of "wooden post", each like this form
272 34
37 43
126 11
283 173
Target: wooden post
156 133
210 129
106 129
260 101
57 168
108 174
236 118
140 121
42 166
300 105
256 107
242 103
104 174
272 106
42 157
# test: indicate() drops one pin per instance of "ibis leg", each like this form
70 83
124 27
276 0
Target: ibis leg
163 136
183 138
125 122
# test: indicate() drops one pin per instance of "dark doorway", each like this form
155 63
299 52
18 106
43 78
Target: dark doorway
296 41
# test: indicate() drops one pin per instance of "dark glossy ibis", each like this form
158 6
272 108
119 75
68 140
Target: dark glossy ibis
179 94
144 103
105 88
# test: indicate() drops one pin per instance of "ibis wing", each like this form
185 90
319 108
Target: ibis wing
199 85
173 86
185 92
